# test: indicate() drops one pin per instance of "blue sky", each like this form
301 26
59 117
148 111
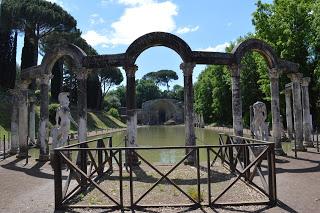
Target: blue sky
111 25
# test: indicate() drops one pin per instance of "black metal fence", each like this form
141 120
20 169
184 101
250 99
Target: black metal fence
92 162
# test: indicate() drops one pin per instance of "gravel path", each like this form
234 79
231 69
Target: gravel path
29 188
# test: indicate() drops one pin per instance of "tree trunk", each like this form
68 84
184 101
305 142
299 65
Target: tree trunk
57 80
8 45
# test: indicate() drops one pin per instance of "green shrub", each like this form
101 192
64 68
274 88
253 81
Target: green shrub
114 113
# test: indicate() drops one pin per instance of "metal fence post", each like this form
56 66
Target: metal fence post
4 146
198 174
57 180
83 165
272 175
110 154
100 157
209 176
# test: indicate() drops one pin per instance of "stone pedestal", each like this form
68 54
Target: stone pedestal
23 119
190 137
297 110
275 110
236 101
307 129
131 114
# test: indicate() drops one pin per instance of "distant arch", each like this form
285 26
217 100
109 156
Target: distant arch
72 51
256 45
158 39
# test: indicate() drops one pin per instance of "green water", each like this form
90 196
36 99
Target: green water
153 136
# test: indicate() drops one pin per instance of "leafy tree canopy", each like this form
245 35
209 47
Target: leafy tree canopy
161 77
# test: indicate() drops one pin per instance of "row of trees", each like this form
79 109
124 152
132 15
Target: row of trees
147 88
292 28
46 25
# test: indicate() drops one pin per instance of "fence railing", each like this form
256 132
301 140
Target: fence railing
96 159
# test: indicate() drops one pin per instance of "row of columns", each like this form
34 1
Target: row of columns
190 139
300 125
275 105
23 120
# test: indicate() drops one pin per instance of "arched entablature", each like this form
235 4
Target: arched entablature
71 51
158 39
255 45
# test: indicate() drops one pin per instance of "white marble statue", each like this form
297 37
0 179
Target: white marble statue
61 131
259 124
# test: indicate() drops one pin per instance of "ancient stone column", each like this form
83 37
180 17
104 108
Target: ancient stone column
32 120
275 110
187 69
14 122
236 101
297 109
306 112
23 119
131 112
82 75
288 92
44 117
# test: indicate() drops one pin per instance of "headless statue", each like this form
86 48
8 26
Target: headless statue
259 124
61 131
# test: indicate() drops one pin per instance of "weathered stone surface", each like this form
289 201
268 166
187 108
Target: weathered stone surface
32 120
275 109
259 124
307 129
44 117
14 122
158 111
187 69
297 109
82 75
288 94
23 119
127 60
236 100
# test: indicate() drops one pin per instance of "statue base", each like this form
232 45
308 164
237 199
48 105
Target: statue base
279 152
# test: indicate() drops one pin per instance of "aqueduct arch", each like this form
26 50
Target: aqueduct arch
190 59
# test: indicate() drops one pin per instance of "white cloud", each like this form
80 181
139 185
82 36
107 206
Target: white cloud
96 19
94 38
183 30
217 48
135 2
139 18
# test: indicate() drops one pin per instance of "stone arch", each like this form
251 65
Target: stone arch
158 39
72 51
256 45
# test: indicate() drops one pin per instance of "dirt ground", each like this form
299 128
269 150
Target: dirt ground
29 188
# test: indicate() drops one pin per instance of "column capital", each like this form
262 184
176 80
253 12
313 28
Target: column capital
130 70
235 70
187 68
82 74
295 77
305 81
274 73
45 78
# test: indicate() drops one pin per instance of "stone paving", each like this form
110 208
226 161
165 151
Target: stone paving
29 188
